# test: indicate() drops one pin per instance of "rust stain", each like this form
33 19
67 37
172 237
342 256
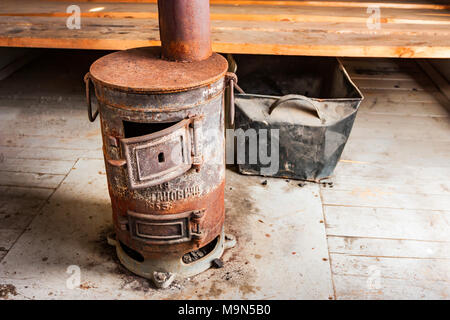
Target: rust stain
248 289
87 285
7 290
214 292
367 193
403 52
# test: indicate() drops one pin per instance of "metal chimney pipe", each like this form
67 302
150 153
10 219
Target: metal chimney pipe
185 29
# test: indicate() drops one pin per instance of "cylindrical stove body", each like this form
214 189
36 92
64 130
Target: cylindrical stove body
163 143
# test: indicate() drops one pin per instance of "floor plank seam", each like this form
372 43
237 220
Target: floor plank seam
403 115
26 186
336 188
384 238
34 172
328 247
47 148
387 277
372 207
387 257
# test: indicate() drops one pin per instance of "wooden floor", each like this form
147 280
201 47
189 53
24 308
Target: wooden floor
410 28
386 215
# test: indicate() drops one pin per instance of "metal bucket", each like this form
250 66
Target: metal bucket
311 104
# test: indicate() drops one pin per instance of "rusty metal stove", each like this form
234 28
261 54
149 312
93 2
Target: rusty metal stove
162 119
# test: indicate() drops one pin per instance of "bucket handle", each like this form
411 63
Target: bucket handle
87 82
290 97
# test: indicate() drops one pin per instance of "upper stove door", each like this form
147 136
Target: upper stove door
159 157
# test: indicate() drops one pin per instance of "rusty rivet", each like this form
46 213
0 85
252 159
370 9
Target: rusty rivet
113 141
198 214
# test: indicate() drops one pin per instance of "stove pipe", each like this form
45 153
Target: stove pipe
185 30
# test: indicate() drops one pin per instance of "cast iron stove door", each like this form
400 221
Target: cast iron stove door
159 157
166 229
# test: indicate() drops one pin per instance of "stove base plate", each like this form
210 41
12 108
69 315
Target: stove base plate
165 270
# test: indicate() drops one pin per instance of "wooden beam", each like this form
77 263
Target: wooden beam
255 27
344 4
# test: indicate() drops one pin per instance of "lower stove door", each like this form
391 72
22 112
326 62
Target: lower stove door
165 229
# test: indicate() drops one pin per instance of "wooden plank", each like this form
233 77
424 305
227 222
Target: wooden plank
410 4
230 11
397 151
356 74
377 196
402 85
36 166
395 50
237 29
356 287
50 154
404 268
373 247
8 237
380 65
8 193
401 127
60 121
125 24
91 141
379 104
390 179
388 74
16 214
404 97
277 15
41 180
278 44
387 223
391 172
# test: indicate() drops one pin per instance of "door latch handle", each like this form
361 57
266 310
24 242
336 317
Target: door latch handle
118 162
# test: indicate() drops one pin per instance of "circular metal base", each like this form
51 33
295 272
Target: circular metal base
164 270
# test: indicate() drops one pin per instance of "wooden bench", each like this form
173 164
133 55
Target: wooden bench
412 28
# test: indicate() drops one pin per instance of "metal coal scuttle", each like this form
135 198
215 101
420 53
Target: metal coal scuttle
162 119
